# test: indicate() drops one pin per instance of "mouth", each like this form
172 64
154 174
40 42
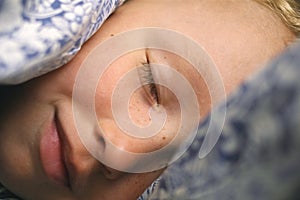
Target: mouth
51 152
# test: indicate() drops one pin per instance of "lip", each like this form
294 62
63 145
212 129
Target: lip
51 153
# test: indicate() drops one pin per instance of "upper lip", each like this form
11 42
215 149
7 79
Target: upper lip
69 145
52 154
64 144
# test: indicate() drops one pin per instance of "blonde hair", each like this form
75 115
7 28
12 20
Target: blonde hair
288 11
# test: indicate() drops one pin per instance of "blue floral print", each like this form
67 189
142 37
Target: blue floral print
38 36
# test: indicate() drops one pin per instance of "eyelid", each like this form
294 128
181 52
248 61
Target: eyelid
148 83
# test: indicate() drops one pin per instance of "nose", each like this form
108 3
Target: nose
80 162
82 167
111 173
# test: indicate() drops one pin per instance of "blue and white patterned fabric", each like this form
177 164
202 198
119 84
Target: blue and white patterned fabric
258 153
38 36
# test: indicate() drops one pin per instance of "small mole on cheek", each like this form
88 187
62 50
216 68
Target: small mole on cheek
163 138
112 35
165 57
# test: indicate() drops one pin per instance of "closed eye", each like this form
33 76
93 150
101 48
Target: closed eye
148 83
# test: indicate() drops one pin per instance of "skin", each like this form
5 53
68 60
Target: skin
240 36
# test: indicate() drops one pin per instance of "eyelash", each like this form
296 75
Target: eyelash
147 80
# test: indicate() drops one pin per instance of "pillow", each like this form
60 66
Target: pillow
39 36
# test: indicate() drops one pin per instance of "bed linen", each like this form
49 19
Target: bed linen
38 36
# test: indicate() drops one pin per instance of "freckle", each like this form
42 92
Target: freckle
111 35
164 138
165 57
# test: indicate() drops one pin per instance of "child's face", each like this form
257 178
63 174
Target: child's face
239 36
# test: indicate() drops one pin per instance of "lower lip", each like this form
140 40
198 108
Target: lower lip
51 155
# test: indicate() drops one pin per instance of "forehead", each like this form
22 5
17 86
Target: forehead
236 34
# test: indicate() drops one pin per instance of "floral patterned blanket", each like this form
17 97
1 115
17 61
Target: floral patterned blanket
39 36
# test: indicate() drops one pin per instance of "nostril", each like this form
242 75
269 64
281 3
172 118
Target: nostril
111 173
108 172
100 141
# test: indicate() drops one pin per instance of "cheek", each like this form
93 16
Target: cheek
139 113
